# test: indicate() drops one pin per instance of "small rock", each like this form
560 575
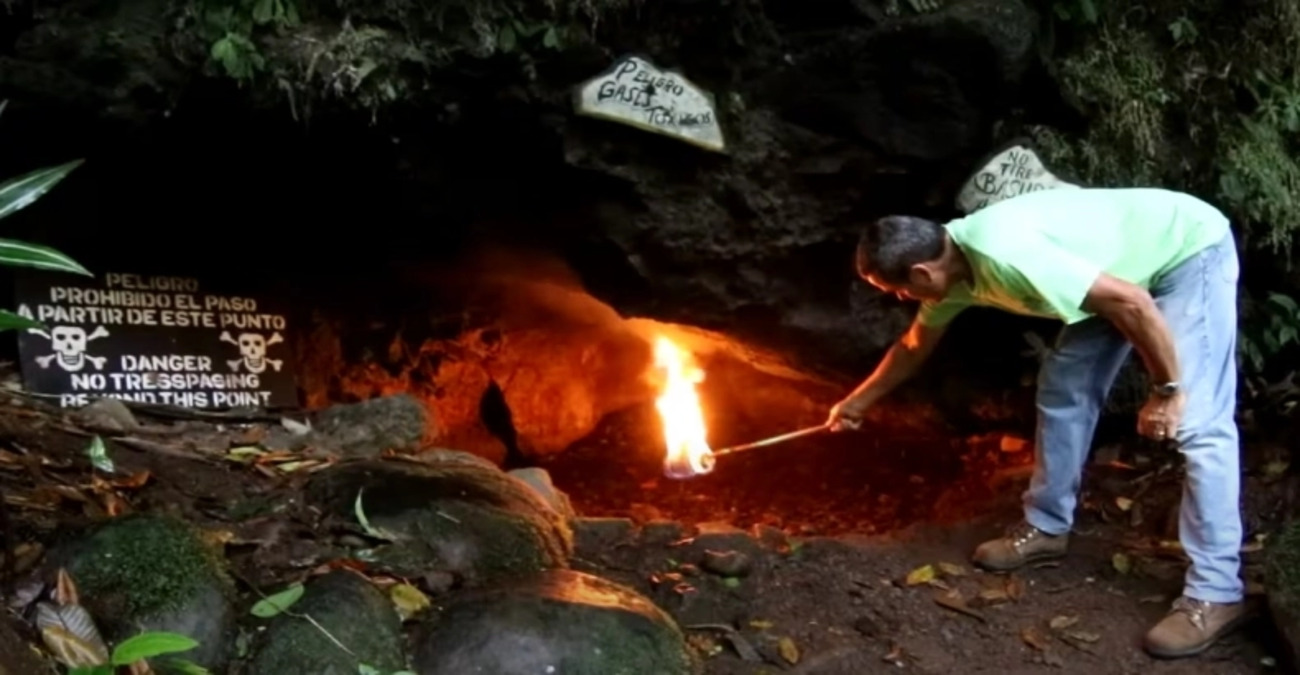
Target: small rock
144 572
540 482
465 519
727 563
662 532
106 415
353 611
370 428
598 534
558 621
770 537
439 582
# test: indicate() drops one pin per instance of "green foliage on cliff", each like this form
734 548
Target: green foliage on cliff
372 53
1201 95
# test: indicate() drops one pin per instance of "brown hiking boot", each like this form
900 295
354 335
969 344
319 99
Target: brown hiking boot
1022 544
1192 626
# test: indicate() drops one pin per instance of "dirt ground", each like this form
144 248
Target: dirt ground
827 591
871 511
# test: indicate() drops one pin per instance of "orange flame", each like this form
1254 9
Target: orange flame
686 440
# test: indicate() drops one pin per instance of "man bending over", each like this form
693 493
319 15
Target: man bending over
1123 268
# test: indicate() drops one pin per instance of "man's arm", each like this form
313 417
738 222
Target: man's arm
1134 312
902 361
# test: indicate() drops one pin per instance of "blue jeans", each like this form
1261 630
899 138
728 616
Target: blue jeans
1199 302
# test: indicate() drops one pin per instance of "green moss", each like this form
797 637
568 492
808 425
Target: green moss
147 564
1283 568
352 611
505 542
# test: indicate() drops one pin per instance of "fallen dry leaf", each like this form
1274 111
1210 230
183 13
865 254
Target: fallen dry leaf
1013 444
1121 563
994 596
1034 639
65 589
1082 636
953 600
1124 503
26 555
1015 588
789 650
895 656
921 575
217 538
132 482
408 599
760 624
951 570
1062 622
704 644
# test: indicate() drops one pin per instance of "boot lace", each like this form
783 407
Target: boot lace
1194 609
1022 534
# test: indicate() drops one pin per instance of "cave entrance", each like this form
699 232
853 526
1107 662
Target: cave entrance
900 469
416 263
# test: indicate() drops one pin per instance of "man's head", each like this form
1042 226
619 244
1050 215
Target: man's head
909 257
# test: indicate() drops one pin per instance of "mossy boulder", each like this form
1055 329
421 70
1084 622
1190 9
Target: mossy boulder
154 573
470 520
1283 576
352 610
558 621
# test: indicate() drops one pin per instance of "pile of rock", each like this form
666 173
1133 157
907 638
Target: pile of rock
490 549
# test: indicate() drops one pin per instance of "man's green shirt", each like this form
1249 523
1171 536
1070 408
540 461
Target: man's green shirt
1039 253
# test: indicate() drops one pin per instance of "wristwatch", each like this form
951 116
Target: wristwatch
1166 390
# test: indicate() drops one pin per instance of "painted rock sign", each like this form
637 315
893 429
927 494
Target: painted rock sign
635 92
1009 172
151 339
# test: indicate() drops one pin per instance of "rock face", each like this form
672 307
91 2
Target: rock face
830 115
461 518
367 429
355 612
557 622
875 110
140 573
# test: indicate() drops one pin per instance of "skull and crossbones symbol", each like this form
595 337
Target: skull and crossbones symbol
69 344
252 350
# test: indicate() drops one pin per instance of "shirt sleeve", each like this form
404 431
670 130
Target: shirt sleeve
941 312
1061 278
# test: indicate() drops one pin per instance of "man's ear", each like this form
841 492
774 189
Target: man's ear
920 274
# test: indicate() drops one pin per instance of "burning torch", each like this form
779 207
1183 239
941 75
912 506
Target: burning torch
690 465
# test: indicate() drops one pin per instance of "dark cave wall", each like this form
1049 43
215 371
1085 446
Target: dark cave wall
400 234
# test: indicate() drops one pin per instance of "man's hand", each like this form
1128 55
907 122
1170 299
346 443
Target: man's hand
848 414
1160 417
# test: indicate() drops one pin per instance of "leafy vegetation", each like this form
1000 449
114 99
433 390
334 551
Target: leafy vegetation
1201 95
230 27
1268 328
147 646
17 194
